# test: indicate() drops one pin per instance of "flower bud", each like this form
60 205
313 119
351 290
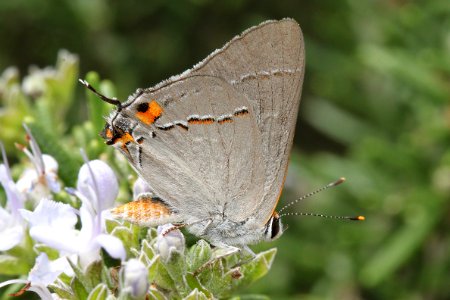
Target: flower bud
135 279
168 241
141 187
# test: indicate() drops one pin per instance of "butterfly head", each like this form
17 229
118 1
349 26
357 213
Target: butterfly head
115 129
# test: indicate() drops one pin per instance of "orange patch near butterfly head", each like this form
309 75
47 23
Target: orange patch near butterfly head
149 112
143 211
125 139
107 133
117 135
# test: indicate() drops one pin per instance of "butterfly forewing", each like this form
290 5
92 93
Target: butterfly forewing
205 152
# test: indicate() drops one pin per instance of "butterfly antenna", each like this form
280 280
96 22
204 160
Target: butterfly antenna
330 185
355 218
112 101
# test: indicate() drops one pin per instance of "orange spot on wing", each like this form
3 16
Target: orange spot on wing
149 112
240 113
142 211
201 121
226 120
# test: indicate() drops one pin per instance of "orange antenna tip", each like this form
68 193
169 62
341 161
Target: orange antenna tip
338 182
358 218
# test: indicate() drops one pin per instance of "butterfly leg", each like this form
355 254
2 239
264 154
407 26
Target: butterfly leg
247 248
179 226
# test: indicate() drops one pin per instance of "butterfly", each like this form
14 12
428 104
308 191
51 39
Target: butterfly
214 141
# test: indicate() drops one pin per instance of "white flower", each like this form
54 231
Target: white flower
97 182
37 182
45 271
11 230
169 240
41 275
53 223
56 217
134 279
12 227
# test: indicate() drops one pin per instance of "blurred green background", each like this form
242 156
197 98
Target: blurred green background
375 109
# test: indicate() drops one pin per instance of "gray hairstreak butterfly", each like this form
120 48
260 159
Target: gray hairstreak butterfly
214 142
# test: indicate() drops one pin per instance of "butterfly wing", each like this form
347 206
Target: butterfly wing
266 63
204 147
262 68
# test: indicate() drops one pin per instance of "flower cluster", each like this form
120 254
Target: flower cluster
72 249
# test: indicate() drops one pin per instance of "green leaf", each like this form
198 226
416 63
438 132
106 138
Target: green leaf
79 289
81 278
62 290
198 255
51 253
211 277
196 295
256 268
158 274
147 249
93 274
176 267
100 292
11 265
152 234
250 297
129 238
156 295
111 224
109 277
193 283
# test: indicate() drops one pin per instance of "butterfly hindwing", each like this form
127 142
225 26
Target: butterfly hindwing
266 63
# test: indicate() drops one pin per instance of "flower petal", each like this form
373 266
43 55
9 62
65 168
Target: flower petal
112 245
14 197
53 214
51 173
61 239
11 231
45 271
105 184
